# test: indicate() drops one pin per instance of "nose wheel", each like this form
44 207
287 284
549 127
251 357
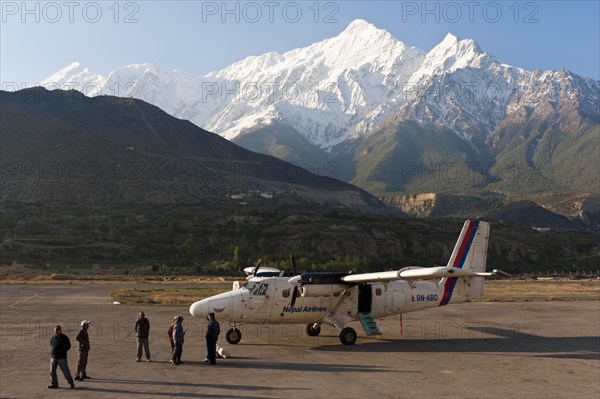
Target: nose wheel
313 330
233 336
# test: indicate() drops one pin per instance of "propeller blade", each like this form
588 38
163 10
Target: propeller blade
294 295
293 262
257 266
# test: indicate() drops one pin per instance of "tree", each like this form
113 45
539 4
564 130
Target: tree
190 247
236 257
114 234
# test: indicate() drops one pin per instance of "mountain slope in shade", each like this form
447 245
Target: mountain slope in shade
530 213
107 149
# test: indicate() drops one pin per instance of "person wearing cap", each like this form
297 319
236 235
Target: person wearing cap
60 344
212 335
82 351
142 331
178 334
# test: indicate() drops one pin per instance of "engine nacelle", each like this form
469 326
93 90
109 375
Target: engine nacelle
321 289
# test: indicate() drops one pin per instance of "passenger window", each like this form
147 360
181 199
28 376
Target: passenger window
378 291
285 293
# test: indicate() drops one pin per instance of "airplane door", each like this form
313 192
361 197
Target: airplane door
365 298
282 297
259 303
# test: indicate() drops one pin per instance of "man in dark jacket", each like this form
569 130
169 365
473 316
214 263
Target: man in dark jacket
212 335
83 349
142 331
60 345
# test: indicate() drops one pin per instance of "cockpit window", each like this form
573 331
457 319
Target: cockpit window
250 286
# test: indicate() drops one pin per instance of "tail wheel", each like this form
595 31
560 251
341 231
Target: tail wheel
348 336
313 330
233 336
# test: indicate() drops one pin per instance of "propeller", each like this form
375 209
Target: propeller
257 266
293 262
294 295
295 272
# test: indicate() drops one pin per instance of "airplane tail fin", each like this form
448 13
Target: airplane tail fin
470 254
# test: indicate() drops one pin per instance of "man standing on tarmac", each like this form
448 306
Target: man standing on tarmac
212 335
142 331
60 344
178 334
82 351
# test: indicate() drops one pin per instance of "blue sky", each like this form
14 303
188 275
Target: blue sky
202 36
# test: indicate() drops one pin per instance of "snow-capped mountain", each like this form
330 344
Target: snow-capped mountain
333 90
325 90
331 96
74 76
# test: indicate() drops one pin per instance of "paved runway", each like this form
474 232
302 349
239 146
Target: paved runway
475 350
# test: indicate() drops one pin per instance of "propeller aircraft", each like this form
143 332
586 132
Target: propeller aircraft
337 299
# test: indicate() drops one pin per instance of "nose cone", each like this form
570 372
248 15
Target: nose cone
200 309
220 305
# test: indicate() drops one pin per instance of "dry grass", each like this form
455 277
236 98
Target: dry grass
166 296
522 291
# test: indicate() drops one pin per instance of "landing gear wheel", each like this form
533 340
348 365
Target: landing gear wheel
348 336
313 331
233 336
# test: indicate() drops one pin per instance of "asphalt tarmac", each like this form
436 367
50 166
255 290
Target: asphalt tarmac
474 350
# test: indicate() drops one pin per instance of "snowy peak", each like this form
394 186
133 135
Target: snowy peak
74 76
454 46
452 54
359 26
363 34
361 43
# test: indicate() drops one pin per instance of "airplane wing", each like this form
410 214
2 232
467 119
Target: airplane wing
468 259
417 273
410 273
263 269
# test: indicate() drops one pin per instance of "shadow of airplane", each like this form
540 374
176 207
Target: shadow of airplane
171 394
200 387
486 340
235 387
321 368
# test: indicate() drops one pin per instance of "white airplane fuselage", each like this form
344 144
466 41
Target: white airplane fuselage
273 305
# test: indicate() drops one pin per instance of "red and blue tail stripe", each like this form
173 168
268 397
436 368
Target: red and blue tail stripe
459 261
